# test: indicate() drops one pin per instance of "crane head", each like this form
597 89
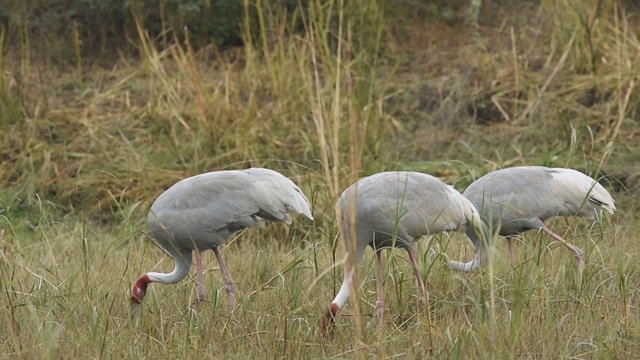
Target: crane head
329 318
139 290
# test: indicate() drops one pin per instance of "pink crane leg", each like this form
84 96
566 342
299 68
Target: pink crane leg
423 297
512 249
230 286
413 255
380 302
201 292
579 253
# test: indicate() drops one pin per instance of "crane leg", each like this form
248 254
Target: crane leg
413 255
579 253
229 285
423 297
201 292
380 301
512 249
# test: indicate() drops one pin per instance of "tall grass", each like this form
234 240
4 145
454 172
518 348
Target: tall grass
325 95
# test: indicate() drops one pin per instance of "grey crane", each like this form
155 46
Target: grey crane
395 209
203 211
518 199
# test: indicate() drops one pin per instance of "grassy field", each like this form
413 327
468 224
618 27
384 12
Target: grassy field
85 149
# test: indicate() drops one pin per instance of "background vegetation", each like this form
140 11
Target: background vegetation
104 105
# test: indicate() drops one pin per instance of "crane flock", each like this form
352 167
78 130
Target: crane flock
384 210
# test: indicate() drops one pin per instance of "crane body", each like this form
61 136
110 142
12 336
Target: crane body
519 199
395 209
202 212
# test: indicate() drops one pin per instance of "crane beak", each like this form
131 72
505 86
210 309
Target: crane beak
135 309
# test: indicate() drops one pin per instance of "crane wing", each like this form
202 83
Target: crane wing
277 196
537 192
432 207
232 199
419 203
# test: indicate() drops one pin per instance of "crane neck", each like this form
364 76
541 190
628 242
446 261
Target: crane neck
181 270
337 304
344 293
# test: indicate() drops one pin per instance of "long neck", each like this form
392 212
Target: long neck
344 293
480 256
336 305
183 265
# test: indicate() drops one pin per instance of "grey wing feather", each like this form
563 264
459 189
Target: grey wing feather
208 202
525 190
430 208
419 203
536 192
239 199
278 195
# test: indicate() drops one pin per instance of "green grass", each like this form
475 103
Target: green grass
67 294
86 149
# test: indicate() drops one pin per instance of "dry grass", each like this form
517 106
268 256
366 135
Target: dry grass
85 151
